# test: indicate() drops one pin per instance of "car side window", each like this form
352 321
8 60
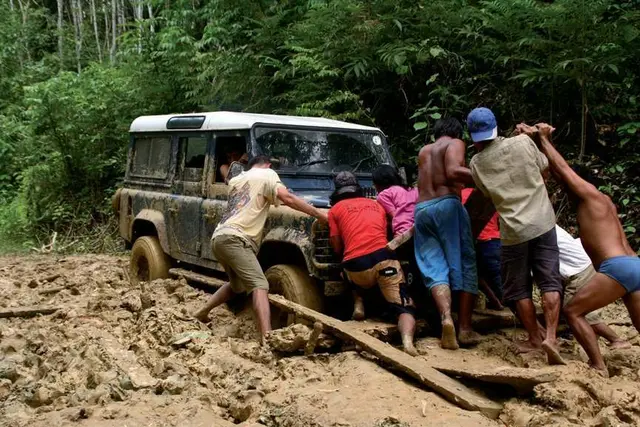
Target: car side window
194 149
151 156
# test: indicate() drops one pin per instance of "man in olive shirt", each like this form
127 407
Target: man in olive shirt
510 172
237 237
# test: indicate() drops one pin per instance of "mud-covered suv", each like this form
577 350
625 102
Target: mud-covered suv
174 194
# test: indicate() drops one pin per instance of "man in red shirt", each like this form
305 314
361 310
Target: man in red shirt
358 233
488 248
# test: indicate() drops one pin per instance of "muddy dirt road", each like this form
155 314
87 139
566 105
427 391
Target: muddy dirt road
114 356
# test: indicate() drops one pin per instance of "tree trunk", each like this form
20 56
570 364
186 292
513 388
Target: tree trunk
107 37
76 16
24 11
137 15
13 6
114 28
60 34
150 9
94 21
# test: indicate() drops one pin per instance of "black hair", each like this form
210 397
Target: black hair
259 160
335 198
449 126
386 176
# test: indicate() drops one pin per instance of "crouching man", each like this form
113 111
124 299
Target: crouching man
237 237
358 233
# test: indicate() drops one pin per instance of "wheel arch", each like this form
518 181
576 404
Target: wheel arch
287 246
150 223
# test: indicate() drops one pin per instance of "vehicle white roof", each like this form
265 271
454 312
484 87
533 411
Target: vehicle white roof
226 120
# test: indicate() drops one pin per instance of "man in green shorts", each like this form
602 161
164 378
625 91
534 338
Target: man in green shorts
236 239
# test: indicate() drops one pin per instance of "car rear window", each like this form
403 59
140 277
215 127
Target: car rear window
151 156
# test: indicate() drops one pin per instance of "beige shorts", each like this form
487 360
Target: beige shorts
573 284
240 263
388 276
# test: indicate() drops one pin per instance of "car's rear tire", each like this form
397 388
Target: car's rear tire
295 284
148 261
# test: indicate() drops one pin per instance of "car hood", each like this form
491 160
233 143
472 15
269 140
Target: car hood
317 198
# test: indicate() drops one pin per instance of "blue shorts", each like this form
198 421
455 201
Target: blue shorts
444 246
488 253
624 270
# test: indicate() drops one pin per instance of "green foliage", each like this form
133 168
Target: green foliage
399 65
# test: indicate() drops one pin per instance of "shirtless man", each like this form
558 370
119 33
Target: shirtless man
604 241
443 242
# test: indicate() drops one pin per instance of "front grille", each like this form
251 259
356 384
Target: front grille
369 192
322 249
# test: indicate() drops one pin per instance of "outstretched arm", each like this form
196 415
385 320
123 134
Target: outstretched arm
298 204
454 163
561 168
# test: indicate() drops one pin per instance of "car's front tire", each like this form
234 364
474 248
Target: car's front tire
148 261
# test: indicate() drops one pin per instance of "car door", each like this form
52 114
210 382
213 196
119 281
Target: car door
187 195
215 204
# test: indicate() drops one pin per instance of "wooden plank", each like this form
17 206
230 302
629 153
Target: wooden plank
523 380
447 387
27 311
197 277
125 360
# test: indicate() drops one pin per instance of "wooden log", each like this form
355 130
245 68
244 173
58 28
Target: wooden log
27 311
523 380
416 368
197 277
55 290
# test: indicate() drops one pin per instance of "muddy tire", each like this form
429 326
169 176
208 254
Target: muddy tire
295 284
148 261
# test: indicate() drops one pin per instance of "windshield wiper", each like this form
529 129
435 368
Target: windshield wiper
313 162
359 162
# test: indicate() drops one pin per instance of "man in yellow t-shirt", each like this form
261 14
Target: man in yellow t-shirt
236 239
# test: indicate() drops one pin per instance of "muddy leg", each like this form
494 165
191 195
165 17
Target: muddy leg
466 335
358 307
263 312
603 330
442 297
407 328
598 292
527 314
221 296
551 316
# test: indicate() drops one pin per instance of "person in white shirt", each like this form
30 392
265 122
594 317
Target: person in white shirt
576 271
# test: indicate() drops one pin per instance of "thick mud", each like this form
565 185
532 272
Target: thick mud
113 355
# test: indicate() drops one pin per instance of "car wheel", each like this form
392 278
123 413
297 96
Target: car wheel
295 284
148 261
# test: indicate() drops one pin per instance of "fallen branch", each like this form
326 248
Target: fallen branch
27 312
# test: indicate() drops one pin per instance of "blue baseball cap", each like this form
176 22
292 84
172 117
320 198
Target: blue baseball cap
482 124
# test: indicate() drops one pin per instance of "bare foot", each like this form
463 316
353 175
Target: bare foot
410 349
202 316
469 338
527 347
602 370
358 312
448 339
619 345
553 354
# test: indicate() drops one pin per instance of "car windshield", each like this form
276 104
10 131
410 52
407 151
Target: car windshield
322 151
